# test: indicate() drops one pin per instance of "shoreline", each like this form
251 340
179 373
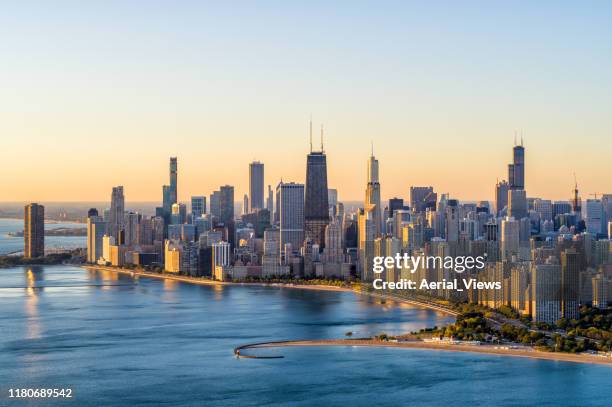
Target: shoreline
412 344
416 344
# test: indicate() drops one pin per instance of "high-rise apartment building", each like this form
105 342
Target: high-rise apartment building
34 230
570 290
256 186
117 213
545 291
291 214
96 230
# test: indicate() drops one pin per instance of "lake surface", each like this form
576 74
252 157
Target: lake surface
118 341
10 244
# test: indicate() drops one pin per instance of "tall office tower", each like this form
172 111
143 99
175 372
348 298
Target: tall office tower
509 238
132 221
422 198
117 220
226 204
226 211
270 200
576 202
333 243
256 187
291 214
245 204
501 196
166 202
516 170
544 208
215 206
395 204
173 181
372 195
96 230
198 207
366 244
545 291
452 220
92 212
34 230
316 205
594 216
570 291
517 203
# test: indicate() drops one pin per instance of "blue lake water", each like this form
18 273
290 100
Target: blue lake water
10 244
120 341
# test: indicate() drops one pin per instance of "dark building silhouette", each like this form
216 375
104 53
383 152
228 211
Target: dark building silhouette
256 186
34 230
92 212
226 211
570 291
316 207
516 170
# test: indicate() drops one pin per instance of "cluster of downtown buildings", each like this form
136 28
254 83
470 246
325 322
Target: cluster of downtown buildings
548 256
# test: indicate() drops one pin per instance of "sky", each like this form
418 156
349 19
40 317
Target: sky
97 94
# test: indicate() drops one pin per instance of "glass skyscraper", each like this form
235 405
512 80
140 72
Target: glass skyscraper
316 207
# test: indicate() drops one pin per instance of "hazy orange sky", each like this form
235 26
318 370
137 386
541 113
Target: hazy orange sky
104 94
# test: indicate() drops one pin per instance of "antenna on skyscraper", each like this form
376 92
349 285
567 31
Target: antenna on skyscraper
311 133
322 138
372 146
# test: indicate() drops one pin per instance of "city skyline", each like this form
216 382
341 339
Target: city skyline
220 86
185 197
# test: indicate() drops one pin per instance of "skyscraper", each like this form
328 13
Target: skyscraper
570 291
198 207
516 170
34 230
215 210
291 214
372 196
517 203
226 211
316 207
117 210
422 198
595 216
509 238
173 180
256 186
501 196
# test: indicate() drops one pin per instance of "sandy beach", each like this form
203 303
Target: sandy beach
417 344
